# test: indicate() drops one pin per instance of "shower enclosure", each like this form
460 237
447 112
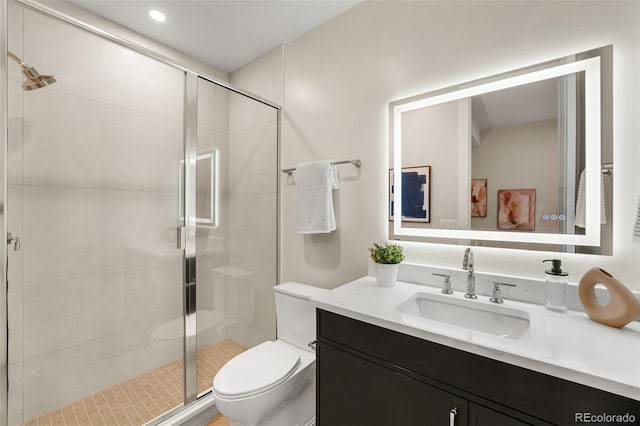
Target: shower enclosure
141 199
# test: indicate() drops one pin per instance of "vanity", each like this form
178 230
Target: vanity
384 360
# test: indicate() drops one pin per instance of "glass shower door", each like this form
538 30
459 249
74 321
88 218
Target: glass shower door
236 226
122 176
96 288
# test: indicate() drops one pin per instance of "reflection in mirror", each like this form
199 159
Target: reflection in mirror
206 189
518 135
515 159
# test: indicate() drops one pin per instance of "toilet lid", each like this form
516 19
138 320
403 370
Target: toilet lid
256 370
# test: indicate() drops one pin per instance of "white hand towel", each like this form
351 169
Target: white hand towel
315 181
581 202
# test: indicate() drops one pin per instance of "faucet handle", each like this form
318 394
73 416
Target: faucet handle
496 297
446 289
467 261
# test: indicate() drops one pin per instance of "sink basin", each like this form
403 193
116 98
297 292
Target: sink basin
499 320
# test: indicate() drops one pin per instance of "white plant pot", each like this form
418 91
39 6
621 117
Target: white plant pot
387 274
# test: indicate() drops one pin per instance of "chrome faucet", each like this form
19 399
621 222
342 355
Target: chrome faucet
446 287
496 296
467 264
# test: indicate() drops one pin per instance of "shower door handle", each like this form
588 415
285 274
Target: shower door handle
13 239
181 237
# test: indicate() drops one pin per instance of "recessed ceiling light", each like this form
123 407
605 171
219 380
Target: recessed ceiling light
157 15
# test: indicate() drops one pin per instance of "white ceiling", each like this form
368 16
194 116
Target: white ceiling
227 34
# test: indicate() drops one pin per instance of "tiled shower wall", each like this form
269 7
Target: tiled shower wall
236 267
211 242
236 285
93 179
95 291
252 198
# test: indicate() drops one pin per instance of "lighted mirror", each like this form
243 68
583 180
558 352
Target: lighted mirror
206 189
517 160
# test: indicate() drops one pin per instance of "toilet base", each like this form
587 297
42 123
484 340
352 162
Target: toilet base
295 413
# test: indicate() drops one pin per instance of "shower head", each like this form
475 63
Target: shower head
33 78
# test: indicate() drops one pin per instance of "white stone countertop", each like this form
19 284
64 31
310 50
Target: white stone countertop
567 344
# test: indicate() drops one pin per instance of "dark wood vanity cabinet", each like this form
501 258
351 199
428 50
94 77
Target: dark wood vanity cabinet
369 376
356 392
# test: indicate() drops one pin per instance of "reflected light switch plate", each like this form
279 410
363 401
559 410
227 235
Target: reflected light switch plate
448 223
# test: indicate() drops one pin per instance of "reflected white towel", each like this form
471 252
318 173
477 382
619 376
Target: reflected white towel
581 203
315 182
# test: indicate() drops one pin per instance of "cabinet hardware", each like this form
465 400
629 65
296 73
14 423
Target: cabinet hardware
312 344
452 416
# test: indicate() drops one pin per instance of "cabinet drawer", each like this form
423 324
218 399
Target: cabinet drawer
536 394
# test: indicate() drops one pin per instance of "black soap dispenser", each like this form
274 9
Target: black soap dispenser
556 286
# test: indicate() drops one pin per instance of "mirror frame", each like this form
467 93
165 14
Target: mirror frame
591 69
212 219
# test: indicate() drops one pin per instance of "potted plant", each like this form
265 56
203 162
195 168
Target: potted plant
387 260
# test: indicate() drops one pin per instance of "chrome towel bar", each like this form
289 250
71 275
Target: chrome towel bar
355 162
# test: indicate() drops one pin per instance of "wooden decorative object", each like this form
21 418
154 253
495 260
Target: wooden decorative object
623 307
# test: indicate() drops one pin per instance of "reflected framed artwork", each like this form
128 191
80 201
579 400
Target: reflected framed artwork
517 209
416 194
478 198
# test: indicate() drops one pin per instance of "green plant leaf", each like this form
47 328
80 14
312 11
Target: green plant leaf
387 254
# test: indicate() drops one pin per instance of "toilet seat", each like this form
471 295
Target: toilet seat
257 370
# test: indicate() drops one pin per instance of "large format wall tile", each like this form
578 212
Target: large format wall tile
151 220
15 41
252 217
95 68
54 380
253 157
252 240
15 306
76 232
50 301
64 233
264 76
72 141
14 131
15 256
213 106
212 242
53 336
253 318
245 112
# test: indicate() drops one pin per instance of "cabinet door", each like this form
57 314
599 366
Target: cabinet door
353 391
483 416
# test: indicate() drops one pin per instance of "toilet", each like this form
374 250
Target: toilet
273 383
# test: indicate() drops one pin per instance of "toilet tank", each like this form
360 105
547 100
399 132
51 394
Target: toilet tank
296 316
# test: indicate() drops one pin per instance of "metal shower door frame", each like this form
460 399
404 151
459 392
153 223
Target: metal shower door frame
4 118
189 268
189 191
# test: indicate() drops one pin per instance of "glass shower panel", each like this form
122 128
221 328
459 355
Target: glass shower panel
96 294
236 251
